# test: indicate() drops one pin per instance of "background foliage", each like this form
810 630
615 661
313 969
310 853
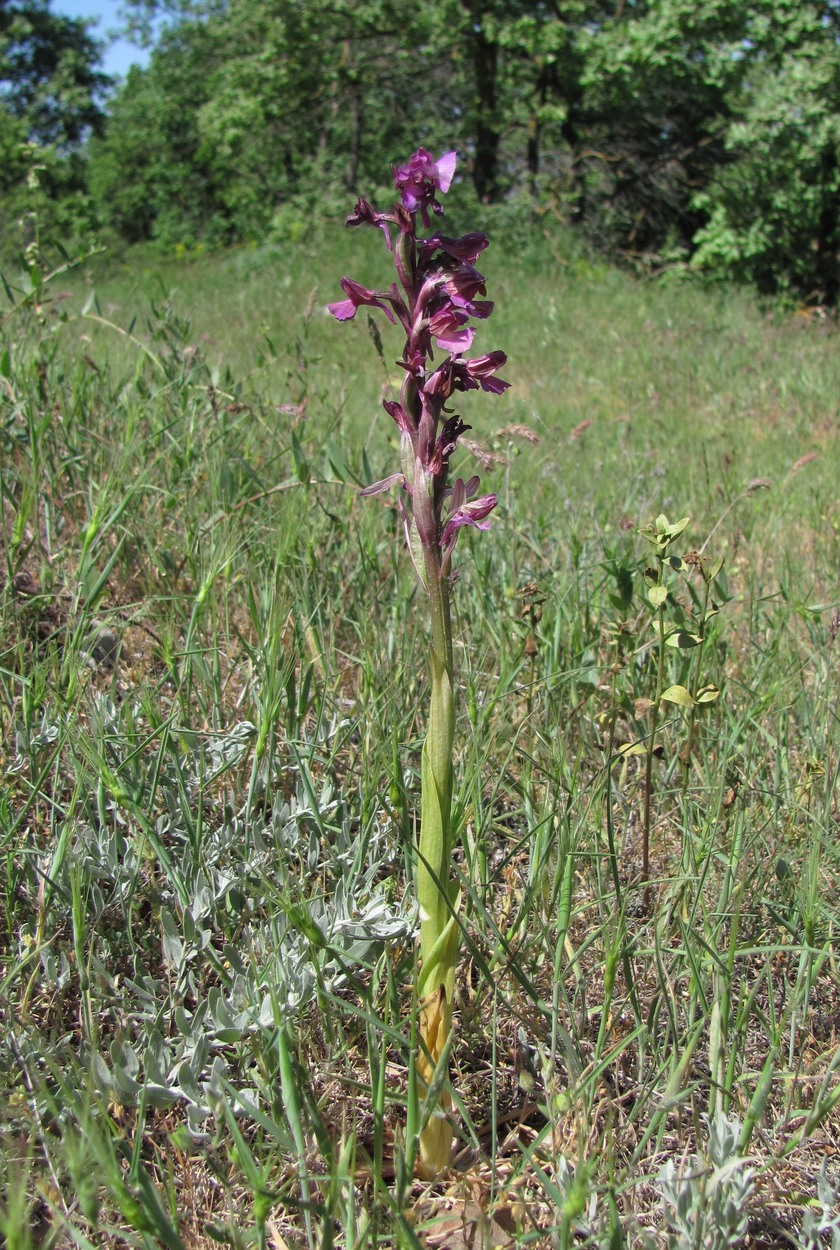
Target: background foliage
213 661
702 133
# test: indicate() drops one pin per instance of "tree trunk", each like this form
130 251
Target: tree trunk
535 125
485 58
828 234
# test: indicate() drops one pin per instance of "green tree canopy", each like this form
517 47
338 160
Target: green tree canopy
771 208
51 101
49 75
693 130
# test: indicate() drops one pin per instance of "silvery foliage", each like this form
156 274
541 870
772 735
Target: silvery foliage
28 745
256 911
822 1219
705 1200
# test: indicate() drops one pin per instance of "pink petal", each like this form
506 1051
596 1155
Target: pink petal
446 170
456 340
344 310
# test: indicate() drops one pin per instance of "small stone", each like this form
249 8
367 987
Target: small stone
103 647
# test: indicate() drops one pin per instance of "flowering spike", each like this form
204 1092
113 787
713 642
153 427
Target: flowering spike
434 299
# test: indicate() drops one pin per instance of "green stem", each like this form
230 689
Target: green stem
654 714
435 890
439 607
696 686
435 847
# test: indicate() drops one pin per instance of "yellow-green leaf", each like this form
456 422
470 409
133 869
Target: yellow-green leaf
632 748
677 694
682 638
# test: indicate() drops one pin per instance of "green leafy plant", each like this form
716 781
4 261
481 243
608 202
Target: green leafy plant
678 631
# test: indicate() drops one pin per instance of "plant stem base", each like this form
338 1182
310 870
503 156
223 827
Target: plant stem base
436 1137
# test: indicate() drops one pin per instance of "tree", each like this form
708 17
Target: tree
691 129
51 93
263 106
144 171
49 76
655 87
772 209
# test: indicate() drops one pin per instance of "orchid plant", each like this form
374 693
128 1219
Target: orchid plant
434 299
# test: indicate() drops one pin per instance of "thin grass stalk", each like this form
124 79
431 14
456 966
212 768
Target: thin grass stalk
651 742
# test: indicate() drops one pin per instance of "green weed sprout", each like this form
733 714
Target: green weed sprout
434 299
684 635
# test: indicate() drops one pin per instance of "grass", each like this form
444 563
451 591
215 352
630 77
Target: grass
212 691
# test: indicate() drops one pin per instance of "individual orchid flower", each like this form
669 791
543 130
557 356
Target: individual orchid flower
363 212
419 180
359 297
434 299
472 513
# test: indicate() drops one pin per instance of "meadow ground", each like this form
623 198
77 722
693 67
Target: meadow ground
213 685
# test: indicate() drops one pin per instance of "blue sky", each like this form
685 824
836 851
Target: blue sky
119 53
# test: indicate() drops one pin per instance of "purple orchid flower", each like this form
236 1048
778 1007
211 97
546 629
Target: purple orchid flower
448 327
364 212
358 296
472 513
467 375
419 180
435 300
466 248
